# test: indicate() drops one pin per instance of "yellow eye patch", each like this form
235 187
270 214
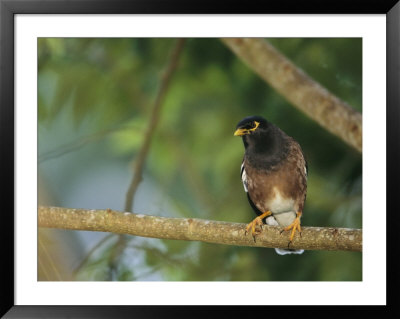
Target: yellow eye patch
255 127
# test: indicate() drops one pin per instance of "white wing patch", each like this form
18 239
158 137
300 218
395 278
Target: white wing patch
244 177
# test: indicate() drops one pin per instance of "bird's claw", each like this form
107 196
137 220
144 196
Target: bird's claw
253 225
293 226
256 222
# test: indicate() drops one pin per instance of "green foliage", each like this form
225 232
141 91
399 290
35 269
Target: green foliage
103 84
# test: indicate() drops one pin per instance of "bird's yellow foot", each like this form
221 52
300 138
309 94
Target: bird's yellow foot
294 226
256 222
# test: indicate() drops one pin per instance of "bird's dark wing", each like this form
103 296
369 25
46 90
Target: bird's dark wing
256 210
306 168
244 181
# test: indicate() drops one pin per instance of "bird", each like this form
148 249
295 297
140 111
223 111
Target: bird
274 176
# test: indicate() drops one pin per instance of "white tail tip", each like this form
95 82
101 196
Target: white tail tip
289 251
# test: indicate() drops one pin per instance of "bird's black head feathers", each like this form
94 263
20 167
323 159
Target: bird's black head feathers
249 122
263 141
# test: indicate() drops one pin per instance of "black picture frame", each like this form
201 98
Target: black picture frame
8 10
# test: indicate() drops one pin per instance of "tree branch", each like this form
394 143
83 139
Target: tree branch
298 88
312 238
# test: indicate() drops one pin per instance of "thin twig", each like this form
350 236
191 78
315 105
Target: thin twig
141 157
139 162
91 252
79 143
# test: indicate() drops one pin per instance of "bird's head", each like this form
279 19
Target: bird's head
260 136
252 125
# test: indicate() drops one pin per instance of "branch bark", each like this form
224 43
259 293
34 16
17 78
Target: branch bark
299 89
312 238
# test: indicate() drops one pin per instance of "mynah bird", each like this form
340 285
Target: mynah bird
274 176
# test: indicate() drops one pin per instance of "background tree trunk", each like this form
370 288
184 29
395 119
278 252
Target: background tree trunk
298 88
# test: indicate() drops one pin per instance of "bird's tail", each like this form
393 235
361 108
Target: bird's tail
280 251
272 221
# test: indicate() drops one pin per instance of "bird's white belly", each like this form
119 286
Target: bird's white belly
282 209
279 204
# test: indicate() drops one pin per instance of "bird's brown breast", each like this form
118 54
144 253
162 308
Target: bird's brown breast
281 187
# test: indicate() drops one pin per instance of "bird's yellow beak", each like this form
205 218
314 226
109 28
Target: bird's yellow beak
240 132
244 131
